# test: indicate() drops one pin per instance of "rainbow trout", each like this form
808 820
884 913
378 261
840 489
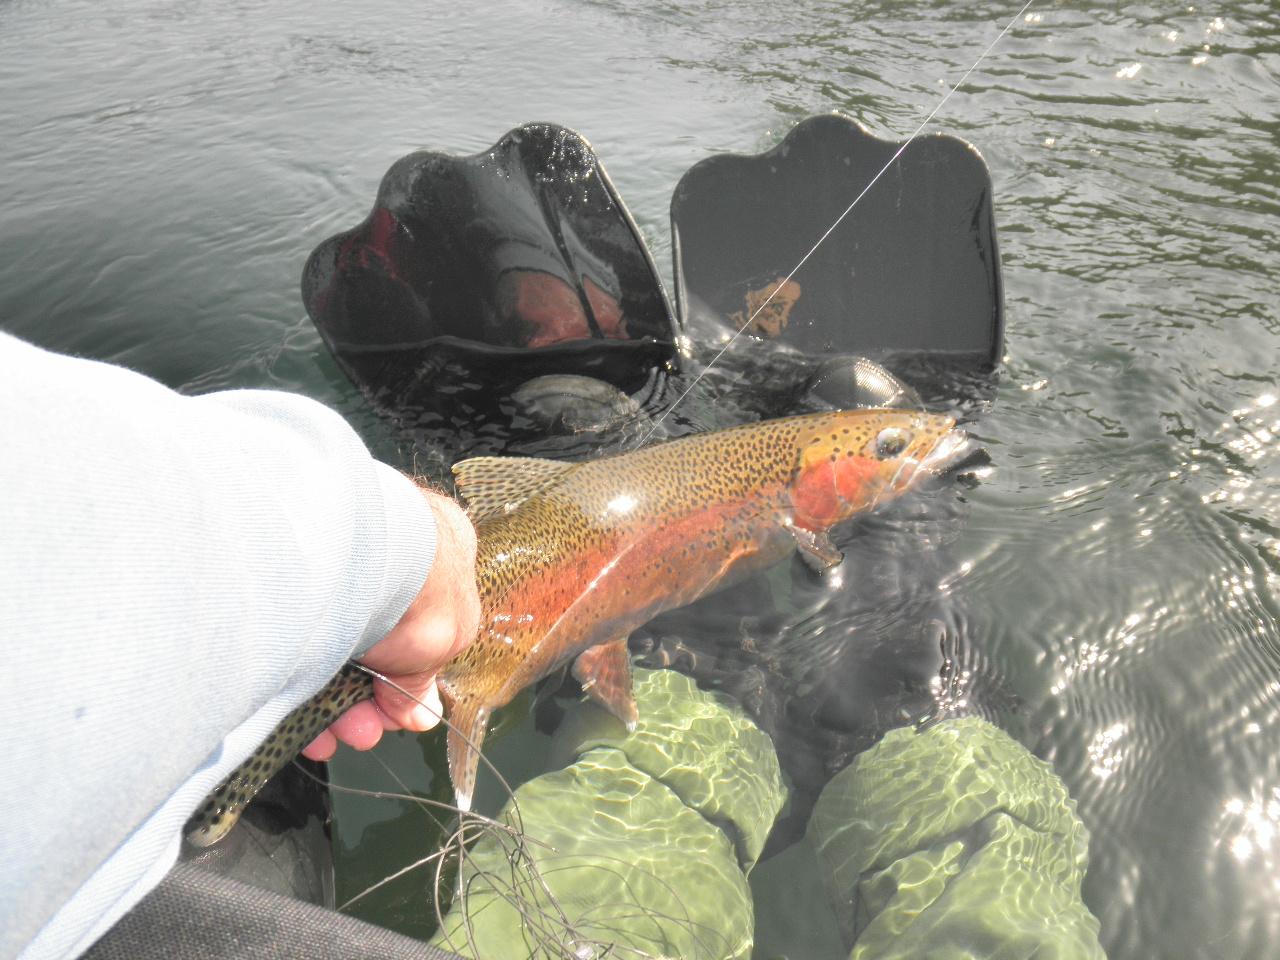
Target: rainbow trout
572 557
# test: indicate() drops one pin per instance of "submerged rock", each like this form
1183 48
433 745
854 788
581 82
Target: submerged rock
848 382
569 403
642 843
954 841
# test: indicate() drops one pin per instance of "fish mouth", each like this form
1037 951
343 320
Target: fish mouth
952 450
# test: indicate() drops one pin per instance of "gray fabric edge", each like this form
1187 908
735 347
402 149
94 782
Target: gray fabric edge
194 913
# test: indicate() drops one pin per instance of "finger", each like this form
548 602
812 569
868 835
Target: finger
421 711
322 747
360 727
428 717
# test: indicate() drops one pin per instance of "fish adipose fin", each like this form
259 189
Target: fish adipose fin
467 721
816 549
494 486
605 674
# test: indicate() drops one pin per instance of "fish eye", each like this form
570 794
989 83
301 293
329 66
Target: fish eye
891 441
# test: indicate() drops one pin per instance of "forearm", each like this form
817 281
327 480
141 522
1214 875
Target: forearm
178 573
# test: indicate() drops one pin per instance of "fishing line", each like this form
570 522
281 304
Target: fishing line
466 821
551 923
502 781
838 220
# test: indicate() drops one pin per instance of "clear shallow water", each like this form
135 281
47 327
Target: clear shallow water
167 167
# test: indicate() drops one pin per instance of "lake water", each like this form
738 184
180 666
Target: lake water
166 168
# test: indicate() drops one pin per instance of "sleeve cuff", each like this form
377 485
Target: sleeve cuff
410 548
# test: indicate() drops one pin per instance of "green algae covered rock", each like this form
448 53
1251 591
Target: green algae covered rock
640 845
700 745
955 842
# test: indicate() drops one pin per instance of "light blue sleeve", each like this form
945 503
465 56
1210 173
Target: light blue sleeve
176 574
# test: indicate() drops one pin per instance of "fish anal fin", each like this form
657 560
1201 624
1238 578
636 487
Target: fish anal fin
816 548
605 674
467 720
494 486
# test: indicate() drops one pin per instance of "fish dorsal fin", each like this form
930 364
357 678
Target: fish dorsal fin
494 486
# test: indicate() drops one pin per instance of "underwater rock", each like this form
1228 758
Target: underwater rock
847 382
698 744
955 841
642 843
570 403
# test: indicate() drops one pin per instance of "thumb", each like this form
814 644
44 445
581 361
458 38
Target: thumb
417 708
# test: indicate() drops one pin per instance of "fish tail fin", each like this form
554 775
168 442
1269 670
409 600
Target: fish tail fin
467 720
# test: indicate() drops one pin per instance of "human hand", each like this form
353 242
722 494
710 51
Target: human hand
440 622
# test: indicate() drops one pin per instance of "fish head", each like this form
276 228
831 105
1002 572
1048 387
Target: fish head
853 460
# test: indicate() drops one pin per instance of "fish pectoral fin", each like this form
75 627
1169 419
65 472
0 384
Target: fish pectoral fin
605 674
816 548
494 486
467 720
